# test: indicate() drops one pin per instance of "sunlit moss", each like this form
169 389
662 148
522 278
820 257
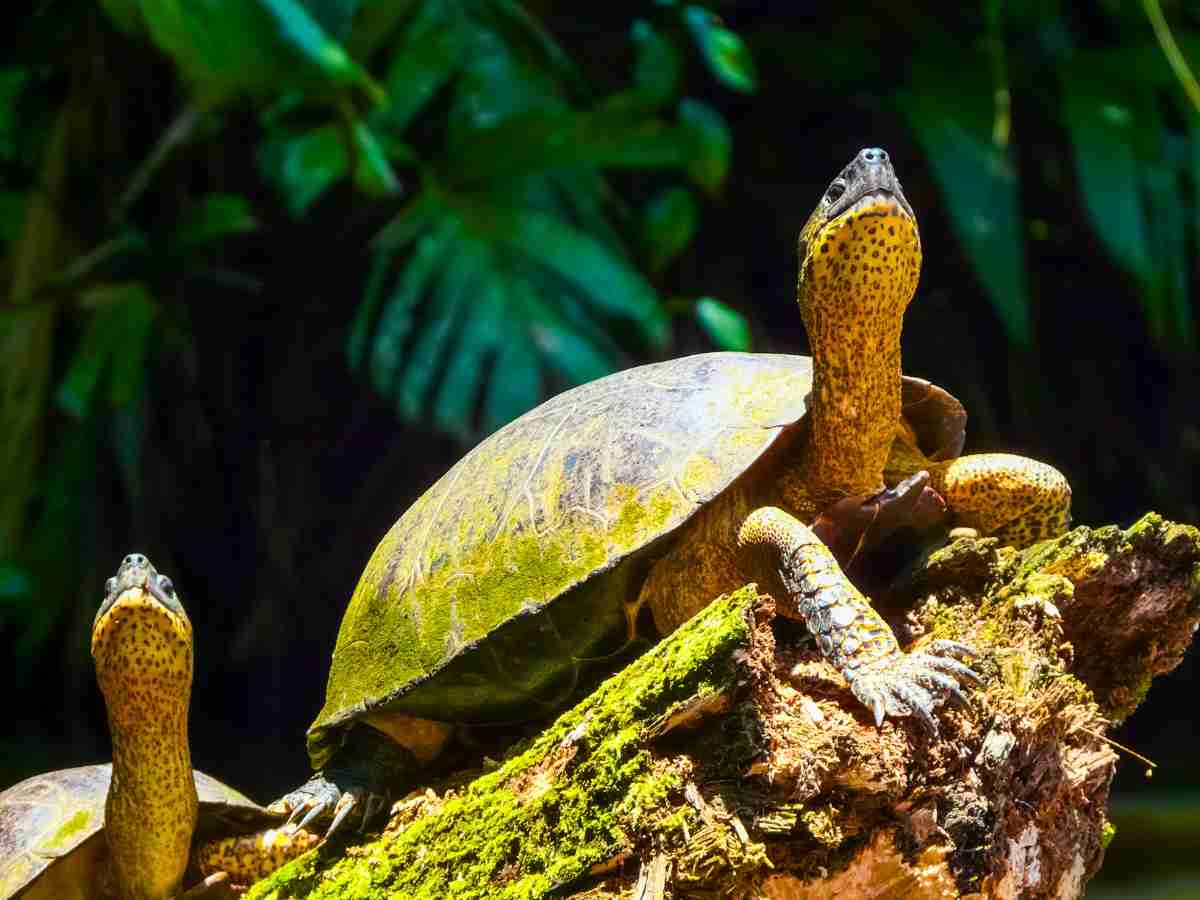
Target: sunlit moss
527 832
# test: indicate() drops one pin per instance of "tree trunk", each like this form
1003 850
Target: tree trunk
732 761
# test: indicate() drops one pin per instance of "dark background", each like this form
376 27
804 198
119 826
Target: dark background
264 470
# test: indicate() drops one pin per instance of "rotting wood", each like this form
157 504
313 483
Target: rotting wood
731 761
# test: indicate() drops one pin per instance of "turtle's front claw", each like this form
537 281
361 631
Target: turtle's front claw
308 803
320 798
914 684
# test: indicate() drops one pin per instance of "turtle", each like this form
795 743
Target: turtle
666 485
125 829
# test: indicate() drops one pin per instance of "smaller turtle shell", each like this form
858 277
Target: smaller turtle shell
57 815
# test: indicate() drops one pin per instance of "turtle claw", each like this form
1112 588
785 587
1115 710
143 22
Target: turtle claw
914 684
316 811
320 799
308 803
374 805
350 801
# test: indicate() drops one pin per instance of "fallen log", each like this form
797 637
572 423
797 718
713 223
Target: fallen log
731 760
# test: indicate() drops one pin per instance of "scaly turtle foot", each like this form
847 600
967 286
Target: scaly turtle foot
850 634
913 684
320 799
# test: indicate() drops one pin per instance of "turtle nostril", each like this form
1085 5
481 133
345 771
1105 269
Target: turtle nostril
874 155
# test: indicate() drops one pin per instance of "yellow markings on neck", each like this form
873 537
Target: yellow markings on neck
143 656
870 260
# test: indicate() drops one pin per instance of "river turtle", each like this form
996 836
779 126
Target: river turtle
87 832
668 485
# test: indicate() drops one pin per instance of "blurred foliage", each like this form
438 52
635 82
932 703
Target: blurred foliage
505 262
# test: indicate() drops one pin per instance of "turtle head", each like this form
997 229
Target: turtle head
860 253
141 639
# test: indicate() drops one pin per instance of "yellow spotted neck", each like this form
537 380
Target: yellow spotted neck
858 275
143 659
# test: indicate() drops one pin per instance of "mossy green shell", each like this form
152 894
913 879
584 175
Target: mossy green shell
56 818
514 564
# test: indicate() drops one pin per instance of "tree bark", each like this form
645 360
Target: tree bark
732 761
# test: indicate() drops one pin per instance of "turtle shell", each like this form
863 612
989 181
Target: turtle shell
505 571
51 827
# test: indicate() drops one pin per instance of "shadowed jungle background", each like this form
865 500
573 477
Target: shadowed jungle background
270 267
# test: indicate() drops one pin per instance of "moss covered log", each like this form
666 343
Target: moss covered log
731 760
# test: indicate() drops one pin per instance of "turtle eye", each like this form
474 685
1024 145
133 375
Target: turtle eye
110 586
166 585
835 191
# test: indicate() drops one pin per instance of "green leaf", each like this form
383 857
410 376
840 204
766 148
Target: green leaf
116 340
397 317
127 381
373 173
65 500
727 328
726 54
427 57
1165 297
488 289
494 84
520 30
225 47
448 308
670 222
335 16
658 67
414 219
212 217
951 118
572 351
546 139
1131 188
481 333
586 201
1101 119
712 144
611 285
302 167
515 385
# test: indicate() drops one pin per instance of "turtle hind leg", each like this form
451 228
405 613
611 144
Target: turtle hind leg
849 632
1018 500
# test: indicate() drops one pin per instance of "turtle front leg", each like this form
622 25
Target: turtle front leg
1020 501
360 780
849 632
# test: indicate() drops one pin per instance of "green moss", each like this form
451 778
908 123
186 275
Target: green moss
563 805
822 824
69 829
400 629
1107 833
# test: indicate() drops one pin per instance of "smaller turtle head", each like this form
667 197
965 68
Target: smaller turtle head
860 253
142 640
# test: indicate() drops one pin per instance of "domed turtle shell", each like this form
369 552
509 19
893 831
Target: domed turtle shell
504 573
51 827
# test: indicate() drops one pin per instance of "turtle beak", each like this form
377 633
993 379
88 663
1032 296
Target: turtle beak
870 180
